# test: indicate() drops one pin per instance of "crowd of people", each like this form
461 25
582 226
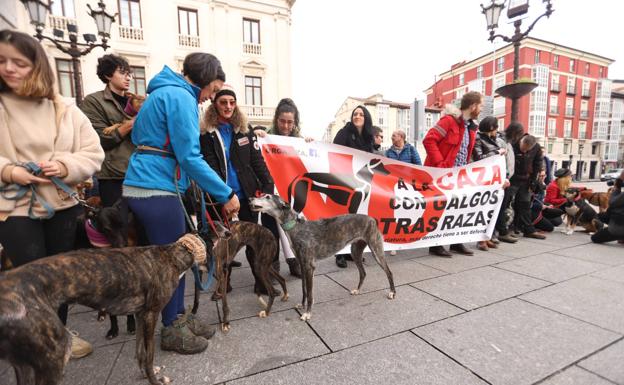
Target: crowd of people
143 162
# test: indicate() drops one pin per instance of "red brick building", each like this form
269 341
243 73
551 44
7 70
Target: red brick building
569 111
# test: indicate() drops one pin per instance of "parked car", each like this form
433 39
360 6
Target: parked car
611 174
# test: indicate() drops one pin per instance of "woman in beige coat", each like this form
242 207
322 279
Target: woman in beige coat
37 126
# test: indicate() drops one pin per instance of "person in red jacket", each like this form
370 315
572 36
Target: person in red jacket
449 144
556 188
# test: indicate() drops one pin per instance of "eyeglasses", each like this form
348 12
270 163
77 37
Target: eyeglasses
224 103
286 122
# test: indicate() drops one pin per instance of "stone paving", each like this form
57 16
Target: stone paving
539 312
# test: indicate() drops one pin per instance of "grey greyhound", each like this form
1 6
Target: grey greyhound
312 240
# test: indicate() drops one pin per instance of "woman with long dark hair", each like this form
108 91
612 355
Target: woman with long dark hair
357 134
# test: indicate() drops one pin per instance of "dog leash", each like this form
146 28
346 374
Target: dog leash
203 286
16 192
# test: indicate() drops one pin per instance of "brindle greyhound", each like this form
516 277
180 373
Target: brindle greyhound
262 241
132 280
323 238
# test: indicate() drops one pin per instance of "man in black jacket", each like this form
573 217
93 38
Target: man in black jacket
529 163
231 148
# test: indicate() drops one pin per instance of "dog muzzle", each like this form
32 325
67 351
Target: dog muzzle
195 245
96 238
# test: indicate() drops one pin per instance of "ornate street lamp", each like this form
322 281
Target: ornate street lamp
38 12
516 8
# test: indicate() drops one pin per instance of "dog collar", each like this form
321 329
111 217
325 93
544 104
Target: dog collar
289 225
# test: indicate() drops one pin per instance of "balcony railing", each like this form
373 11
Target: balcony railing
554 110
584 114
254 112
569 111
130 33
571 90
586 94
188 41
252 48
60 22
555 87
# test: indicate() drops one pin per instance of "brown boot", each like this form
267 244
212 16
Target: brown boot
179 338
482 245
491 244
196 326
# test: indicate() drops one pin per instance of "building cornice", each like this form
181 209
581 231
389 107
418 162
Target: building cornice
529 42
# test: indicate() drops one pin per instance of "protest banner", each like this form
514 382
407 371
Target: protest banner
414 206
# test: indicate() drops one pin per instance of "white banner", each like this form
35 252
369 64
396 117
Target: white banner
414 206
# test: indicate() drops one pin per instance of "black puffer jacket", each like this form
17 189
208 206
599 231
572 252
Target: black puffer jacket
527 165
246 157
486 146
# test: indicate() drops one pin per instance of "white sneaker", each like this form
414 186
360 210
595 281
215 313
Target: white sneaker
392 252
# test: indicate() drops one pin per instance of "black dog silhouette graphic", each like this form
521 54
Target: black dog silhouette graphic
344 189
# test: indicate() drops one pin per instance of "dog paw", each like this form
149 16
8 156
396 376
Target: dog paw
164 380
262 314
158 369
285 297
111 334
225 328
262 302
391 295
305 316
355 292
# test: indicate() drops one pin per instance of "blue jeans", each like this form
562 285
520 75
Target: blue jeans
164 223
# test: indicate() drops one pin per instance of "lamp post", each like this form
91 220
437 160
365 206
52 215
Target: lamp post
38 13
519 7
579 169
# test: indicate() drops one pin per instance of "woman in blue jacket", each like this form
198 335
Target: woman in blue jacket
166 133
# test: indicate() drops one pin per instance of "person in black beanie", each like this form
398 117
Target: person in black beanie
358 134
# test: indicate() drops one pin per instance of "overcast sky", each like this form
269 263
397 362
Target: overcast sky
395 47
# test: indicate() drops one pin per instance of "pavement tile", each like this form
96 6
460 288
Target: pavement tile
402 359
607 363
479 287
551 267
462 262
515 342
403 272
243 302
608 253
575 376
93 369
525 248
253 345
612 274
366 317
590 299
557 238
93 331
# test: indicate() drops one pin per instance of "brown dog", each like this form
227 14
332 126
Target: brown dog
135 102
262 241
599 199
133 280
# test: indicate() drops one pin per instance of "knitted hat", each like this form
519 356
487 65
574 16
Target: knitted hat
560 173
225 90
